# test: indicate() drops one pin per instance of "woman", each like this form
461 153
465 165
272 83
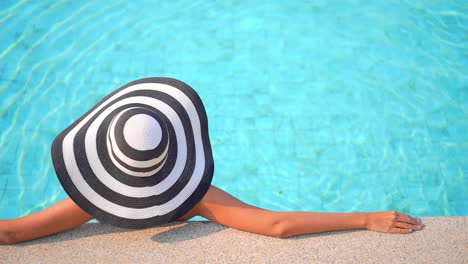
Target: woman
142 157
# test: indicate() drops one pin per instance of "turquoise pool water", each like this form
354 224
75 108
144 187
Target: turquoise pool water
313 105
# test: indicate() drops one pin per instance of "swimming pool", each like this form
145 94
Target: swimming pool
313 105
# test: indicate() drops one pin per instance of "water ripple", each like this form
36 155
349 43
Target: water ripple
9 10
39 41
7 132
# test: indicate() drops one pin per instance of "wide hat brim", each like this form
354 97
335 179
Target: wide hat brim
85 168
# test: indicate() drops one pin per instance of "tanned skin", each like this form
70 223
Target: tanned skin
223 208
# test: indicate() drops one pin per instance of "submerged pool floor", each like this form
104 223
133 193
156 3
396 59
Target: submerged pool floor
318 106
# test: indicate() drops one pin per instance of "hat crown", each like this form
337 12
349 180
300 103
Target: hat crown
142 132
138 142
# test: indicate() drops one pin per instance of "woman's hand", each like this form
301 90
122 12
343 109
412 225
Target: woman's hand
392 222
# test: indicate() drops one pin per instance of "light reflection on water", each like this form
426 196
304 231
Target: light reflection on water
312 106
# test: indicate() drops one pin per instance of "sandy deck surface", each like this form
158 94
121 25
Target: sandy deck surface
443 240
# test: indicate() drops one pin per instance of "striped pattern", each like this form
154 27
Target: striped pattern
140 157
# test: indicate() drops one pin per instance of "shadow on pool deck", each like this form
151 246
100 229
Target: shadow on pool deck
443 240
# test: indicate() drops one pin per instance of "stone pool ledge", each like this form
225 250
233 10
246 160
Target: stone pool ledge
444 240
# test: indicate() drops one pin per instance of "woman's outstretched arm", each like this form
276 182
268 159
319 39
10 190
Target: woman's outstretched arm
59 217
221 207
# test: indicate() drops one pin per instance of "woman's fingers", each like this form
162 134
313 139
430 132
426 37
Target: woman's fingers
401 217
392 222
407 226
404 223
401 230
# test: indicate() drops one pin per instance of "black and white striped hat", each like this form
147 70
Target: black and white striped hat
140 157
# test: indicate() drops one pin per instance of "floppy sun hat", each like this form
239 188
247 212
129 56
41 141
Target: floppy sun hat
140 157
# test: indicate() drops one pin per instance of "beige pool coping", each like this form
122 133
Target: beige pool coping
443 240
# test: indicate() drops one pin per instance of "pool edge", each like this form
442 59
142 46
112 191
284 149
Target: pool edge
443 240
